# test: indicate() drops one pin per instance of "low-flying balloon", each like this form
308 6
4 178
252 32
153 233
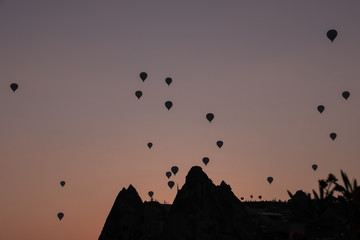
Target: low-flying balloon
346 95
333 136
143 76
331 34
168 104
149 145
60 215
320 108
14 86
62 183
168 81
205 160
219 143
171 184
210 117
138 94
168 174
251 196
270 179
314 167
174 169
151 193
260 197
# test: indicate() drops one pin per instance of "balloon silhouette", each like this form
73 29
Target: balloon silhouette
168 81
270 179
138 94
331 34
205 160
171 184
251 196
168 105
60 215
346 95
210 117
260 197
242 198
314 166
219 143
151 193
333 136
174 169
143 76
321 108
62 183
168 174
14 86
149 145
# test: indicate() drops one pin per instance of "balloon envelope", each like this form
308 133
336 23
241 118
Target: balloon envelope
60 215
149 145
260 197
314 166
174 169
205 160
210 117
346 95
62 183
242 198
331 34
143 76
251 196
168 81
321 108
138 94
151 193
270 179
168 104
171 184
168 174
14 86
219 143
333 136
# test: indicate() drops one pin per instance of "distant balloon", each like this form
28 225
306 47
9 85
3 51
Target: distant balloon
321 108
205 160
14 86
62 183
210 117
260 197
168 81
168 174
60 215
251 196
168 104
143 76
149 145
242 198
346 95
171 184
331 34
219 143
333 136
151 193
174 169
138 94
314 166
270 179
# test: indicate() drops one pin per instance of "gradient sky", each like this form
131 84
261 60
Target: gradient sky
261 67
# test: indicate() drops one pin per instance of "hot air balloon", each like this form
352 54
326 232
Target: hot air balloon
270 179
151 193
333 136
260 197
60 215
321 108
331 34
346 95
143 76
205 160
168 174
242 198
168 104
138 94
149 145
171 184
174 169
62 183
14 86
219 143
251 196
168 81
210 117
314 166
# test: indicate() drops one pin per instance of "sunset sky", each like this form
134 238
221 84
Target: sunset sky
262 68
